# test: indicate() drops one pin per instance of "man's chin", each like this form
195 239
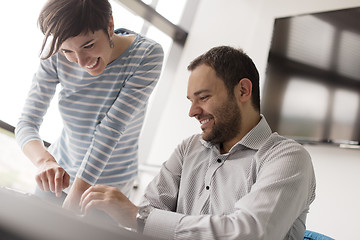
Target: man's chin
208 138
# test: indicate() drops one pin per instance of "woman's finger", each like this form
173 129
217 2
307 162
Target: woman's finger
50 174
66 180
45 184
39 182
59 175
42 180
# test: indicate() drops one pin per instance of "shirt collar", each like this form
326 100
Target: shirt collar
254 139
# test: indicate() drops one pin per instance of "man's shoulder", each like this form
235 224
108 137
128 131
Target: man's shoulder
193 140
277 140
191 144
280 145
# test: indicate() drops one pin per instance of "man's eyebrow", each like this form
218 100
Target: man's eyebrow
199 92
86 43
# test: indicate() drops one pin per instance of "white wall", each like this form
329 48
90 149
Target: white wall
248 24
336 209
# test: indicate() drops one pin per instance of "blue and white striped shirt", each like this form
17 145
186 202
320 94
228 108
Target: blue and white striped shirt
102 115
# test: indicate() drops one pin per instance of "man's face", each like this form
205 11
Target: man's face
216 110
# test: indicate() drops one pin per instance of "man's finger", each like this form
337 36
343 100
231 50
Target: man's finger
91 202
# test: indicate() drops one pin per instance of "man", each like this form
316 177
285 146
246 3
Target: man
236 180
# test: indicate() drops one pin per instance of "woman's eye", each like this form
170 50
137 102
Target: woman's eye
65 51
89 46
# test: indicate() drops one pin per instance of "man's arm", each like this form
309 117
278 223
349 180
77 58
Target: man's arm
280 195
282 192
121 209
113 202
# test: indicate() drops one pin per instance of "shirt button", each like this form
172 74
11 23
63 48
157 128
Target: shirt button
219 160
207 187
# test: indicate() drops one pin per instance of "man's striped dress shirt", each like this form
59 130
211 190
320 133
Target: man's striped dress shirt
260 189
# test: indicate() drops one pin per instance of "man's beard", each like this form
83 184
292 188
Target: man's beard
226 124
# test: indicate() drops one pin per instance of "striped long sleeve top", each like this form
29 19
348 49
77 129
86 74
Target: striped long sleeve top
102 115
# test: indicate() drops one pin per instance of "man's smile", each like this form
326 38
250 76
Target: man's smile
205 122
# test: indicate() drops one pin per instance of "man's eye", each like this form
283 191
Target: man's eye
203 98
89 46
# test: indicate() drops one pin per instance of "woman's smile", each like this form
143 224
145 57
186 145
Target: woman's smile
93 65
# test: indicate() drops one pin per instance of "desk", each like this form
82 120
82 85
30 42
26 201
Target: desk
25 217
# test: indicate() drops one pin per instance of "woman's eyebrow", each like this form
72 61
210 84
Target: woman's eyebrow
86 43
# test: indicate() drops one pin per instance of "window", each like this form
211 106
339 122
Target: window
307 116
21 42
20 50
344 114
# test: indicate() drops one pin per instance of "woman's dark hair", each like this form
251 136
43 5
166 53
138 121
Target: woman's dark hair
63 19
231 65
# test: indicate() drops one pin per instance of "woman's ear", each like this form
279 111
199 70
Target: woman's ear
244 89
111 26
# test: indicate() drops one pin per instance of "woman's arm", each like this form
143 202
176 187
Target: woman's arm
50 177
143 73
132 100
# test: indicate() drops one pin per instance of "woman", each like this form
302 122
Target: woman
106 78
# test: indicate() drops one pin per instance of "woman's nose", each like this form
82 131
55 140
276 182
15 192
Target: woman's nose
81 59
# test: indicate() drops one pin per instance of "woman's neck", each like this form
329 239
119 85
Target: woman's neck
121 43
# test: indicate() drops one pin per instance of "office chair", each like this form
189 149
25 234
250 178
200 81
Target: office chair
310 235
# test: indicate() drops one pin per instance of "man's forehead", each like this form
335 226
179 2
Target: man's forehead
202 80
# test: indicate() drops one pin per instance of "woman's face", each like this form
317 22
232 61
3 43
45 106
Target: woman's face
90 51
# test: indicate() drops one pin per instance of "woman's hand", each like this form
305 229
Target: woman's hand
111 201
52 177
73 198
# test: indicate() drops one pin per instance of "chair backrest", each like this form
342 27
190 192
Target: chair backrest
310 235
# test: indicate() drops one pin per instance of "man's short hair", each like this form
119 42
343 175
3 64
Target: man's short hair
231 65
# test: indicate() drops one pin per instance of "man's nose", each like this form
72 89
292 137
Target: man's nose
194 110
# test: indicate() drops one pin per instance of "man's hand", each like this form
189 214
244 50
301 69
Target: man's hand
111 201
52 177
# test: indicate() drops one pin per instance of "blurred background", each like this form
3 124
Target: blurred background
307 53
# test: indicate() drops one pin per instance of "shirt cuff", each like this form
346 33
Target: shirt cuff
162 224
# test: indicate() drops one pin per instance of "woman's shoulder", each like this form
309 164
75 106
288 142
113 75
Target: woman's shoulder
141 43
148 45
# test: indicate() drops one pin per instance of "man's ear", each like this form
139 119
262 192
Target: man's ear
244 89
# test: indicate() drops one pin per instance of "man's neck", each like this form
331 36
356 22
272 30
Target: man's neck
246 126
